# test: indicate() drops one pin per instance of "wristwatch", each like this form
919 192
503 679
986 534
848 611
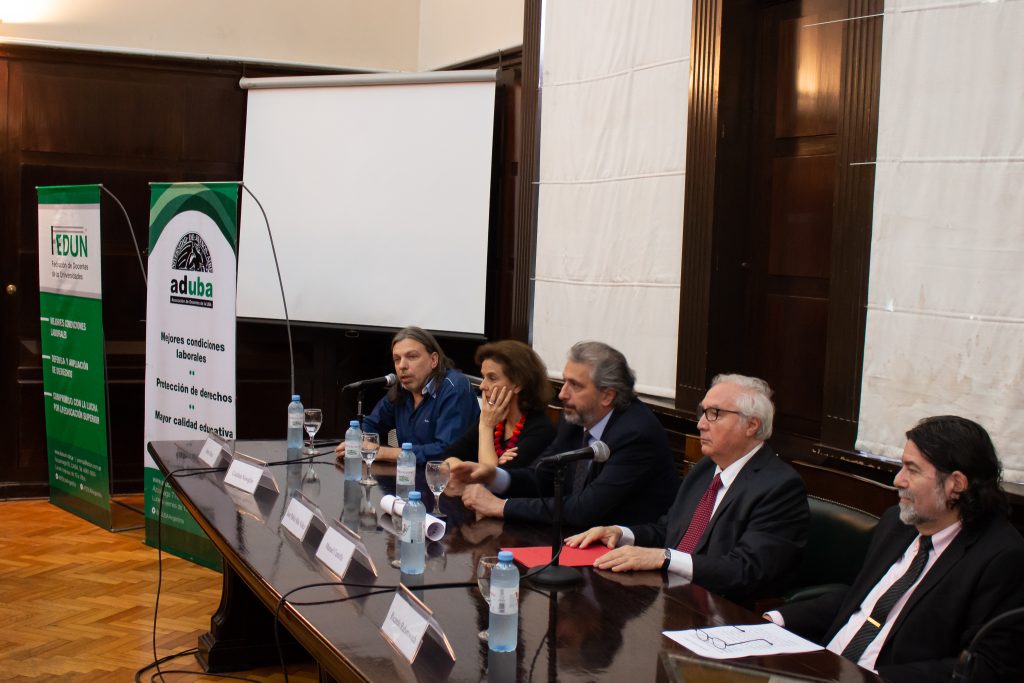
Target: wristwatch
668 559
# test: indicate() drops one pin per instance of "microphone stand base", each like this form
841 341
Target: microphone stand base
557 577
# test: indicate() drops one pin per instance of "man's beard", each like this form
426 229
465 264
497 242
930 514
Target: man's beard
578 418
911 516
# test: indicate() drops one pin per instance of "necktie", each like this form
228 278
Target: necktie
863 637
701 517
579 475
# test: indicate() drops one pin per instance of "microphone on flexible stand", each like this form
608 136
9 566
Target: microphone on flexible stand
388 380
597 451
280 282
558 576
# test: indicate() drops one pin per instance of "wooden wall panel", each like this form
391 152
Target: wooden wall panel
801 222
58 109
811 106
520 307
702 137
792 353
204 104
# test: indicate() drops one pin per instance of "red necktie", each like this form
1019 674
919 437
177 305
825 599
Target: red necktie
701 517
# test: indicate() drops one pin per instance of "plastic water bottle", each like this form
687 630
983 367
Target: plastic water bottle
405 473
503 623
353 452
295 419
353 493
413 549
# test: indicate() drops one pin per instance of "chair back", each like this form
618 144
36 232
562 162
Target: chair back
837 542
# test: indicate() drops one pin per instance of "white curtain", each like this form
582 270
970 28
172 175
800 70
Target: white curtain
610 215
945 312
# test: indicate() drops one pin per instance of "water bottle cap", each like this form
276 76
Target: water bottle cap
407 446
416 495
295 397
353 423
505 556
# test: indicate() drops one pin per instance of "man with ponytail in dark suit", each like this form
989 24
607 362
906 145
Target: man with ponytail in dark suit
940 566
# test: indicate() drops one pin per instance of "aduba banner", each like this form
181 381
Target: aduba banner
71 333
190 340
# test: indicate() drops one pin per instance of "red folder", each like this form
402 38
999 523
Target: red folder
536 556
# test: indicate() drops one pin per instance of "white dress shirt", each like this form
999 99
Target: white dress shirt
940 541
682 563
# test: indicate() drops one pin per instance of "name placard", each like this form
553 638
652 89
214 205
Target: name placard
336 552
248 473
339 547
213 449
296 518
243 475
408 622
405 627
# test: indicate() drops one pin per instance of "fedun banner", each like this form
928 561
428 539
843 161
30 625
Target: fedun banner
190 340
71 332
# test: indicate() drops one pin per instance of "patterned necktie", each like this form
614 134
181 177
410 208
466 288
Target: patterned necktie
701 517
579 474
869 631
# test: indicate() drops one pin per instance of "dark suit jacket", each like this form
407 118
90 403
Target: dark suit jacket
636 483
752 545
980 575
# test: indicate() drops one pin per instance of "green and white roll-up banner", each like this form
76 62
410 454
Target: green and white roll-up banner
190 340
71 331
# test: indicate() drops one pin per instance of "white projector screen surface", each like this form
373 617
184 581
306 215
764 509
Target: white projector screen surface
378 197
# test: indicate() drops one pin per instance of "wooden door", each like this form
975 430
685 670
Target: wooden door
793 161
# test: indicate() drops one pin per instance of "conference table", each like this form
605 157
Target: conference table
608 627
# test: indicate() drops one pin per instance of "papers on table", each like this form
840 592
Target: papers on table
729 642
392 506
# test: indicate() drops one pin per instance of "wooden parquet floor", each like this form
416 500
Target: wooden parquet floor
76 602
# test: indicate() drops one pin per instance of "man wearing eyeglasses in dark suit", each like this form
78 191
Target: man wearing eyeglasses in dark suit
739 520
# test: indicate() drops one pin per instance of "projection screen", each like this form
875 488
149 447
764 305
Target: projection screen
377 188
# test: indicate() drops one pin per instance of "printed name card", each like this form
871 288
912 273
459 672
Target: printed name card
214 446
336 552
408 621
243 475
301 514
248 473
405 627
339 547
296 518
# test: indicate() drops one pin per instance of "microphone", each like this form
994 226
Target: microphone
598 451
387 380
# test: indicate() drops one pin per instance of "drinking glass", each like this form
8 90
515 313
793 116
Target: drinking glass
483 582
371 444
438 474
312 419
